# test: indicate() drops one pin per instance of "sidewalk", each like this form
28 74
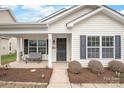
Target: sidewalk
59 77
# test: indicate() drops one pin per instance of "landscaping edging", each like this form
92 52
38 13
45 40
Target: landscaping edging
96 85
11 84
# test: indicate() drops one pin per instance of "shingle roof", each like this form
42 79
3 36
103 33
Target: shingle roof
55 14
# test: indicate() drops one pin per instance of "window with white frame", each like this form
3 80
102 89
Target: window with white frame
100 46
107 46
38 46
93 46
42 46
32 46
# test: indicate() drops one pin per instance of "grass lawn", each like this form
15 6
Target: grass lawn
8 58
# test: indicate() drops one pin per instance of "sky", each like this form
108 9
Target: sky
32 13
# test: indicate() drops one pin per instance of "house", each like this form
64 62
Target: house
8 44
79 33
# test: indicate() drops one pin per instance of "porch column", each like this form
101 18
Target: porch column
0 50
50 50
18 50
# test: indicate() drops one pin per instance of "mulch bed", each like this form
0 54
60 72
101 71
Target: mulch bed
86 76
25 75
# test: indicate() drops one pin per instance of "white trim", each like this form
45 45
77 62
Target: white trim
23 25
100 47
109 46
114 13
18 50
22 32
50 50
91 47
63 14
37 45
70 25
104 9
51 15
0 50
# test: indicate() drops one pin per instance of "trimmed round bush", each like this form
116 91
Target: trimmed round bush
116 66
74 67
96 66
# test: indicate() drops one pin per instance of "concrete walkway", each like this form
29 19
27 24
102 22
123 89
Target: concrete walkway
59 78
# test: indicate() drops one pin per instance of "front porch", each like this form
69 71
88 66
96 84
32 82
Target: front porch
37 38
52 47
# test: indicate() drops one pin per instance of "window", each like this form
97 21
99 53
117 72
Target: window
42 46
100 47
38 46
107 46
93 46
32 46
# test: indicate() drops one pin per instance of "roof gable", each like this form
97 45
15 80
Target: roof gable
62 13
8 16
103 9
66 13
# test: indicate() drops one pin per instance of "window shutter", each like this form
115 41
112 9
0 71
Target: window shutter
117 47
83 47
47 46
25 46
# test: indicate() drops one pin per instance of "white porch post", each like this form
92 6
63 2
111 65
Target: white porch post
21 44
18 50
0 50
50 50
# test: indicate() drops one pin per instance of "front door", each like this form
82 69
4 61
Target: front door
61 49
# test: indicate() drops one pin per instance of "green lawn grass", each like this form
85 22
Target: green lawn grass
8 58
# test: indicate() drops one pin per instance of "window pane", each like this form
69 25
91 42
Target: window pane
93 44
93 41
97 43
41 42
97 38
89 39
107 41
89 43
42 50
103 44
32 43
93 52
107 52
32 49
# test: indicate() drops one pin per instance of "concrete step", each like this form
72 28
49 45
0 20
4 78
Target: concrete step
59 85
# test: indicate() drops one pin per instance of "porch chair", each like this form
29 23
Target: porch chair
34 57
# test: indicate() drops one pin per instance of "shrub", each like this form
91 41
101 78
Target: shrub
116 66
74 67
96 66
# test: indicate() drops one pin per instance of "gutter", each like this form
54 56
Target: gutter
23 25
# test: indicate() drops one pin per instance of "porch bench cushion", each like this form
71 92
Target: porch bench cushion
34 57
